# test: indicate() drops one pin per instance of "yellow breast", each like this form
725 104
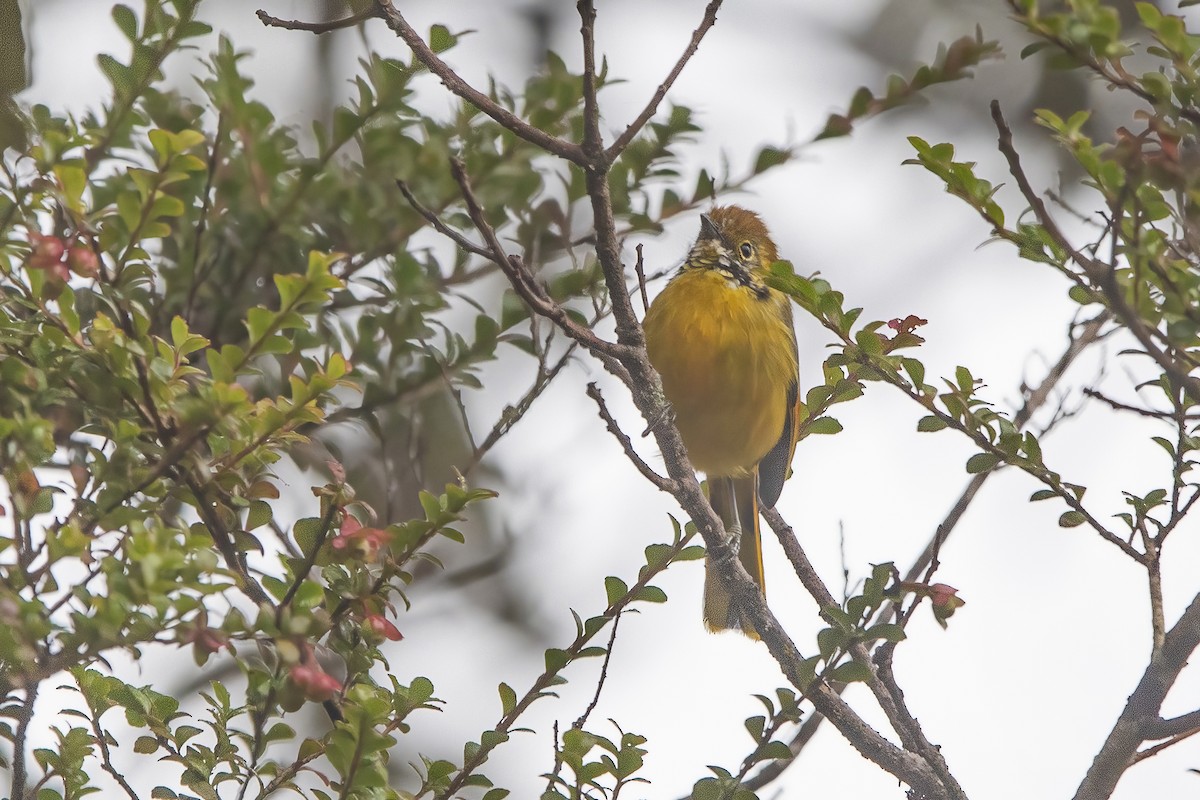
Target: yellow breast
727 358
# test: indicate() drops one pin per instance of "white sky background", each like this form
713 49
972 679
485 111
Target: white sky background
1024 686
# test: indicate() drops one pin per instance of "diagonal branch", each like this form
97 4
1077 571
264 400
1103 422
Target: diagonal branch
881 684
664 484
1036 398
522 279
436 223
316 27
1101 275
452 81
622 141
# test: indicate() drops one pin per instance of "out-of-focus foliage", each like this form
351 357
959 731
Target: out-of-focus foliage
194 295
189 292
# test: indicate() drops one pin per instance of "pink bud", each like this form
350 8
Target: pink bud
381 626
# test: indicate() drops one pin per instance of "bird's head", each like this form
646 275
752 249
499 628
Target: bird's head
733 241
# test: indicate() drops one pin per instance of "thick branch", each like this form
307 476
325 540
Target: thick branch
1140 719
1184 723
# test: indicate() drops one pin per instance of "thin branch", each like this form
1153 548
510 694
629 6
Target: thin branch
772 771
515 413
24 717
640 268
317 27
1090 334
1117 405
924 563
522 280
887 693
622 141
451 80
102 739
1101 276
1142 755
612 639
663 484
436 223
593 144
1113 73
310 559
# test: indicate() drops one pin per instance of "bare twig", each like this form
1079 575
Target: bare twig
612 639
1117 405
436 223
1142 755
640 269
317 27
452 81
664 484
523 281
627 136
514 413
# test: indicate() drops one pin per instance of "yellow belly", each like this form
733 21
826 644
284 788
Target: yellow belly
726 359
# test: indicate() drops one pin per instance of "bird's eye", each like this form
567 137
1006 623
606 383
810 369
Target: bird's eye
747 249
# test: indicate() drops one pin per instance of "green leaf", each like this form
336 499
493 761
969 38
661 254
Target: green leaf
145 745
930 424
770 157
915 370
615 588
508 698
824 425
851 672
651 594
981 462
440 39
773 751
1071 519
126 21
887 631
259 514
556 659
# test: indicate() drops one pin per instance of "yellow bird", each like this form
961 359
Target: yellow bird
723 342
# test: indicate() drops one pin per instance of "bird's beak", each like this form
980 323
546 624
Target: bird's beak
708 231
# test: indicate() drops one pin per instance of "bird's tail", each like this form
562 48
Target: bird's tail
736 502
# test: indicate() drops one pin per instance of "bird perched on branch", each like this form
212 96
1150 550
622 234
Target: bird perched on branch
723 342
